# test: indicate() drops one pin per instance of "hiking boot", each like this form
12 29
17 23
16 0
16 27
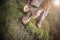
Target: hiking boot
26 18
38 24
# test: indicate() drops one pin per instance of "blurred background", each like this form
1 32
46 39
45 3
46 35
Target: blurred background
11 28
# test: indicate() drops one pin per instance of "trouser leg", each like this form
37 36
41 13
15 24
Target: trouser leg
37 13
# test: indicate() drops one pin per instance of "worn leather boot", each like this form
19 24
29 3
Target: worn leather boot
26 18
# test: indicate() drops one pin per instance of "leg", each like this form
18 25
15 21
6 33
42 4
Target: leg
44 14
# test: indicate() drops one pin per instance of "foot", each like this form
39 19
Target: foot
38 25
25 19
